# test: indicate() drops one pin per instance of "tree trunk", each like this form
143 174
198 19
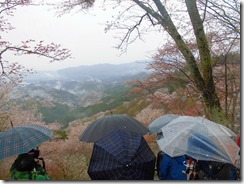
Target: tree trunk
209 93
204 82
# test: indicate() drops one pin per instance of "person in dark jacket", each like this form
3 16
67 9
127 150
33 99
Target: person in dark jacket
159 161
211 170
173 168
26 167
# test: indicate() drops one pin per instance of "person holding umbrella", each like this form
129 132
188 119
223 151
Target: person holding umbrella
21 140
122 155
211 170
173 168
27 166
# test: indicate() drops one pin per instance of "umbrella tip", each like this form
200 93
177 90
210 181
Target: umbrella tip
203 118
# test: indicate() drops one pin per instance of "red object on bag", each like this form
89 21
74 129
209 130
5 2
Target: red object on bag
238 141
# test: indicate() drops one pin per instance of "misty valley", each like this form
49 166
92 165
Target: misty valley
76 93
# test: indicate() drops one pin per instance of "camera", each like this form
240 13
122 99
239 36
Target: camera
34 152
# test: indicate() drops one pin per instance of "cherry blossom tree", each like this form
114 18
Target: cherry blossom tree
11 71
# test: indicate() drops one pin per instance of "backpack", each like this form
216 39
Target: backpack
29 175
26 168
40 175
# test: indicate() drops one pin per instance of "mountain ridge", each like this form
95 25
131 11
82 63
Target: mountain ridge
79 92
99 72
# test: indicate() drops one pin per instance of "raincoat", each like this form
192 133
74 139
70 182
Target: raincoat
173 168
28 175
25 168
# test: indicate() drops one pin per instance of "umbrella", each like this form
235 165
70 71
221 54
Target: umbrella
106 124
157 124
22 139
122 155
160 122
199 138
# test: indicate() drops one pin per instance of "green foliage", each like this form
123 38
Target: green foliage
132 107
29 104
115 96
173 85
61 134
219 117
58 113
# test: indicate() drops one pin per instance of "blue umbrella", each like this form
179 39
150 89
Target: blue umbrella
122 155
22 139
200 145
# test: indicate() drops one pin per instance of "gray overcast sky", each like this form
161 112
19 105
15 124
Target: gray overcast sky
82 33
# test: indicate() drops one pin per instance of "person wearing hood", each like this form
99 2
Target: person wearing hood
173 168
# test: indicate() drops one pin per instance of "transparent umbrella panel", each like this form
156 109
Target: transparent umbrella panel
199 138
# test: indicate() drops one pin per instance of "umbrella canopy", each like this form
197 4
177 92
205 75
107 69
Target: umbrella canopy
101 127
160 122
199 138
22 139
122 155
228 131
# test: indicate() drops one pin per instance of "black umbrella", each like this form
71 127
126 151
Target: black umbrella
103 126
122 155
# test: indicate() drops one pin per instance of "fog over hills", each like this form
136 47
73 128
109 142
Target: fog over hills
79 86
98 73
78 92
